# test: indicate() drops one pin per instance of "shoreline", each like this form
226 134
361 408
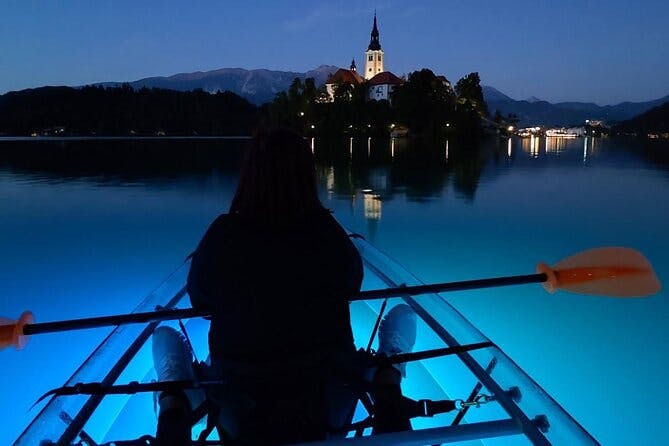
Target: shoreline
118 138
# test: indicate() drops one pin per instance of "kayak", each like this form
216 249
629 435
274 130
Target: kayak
498 403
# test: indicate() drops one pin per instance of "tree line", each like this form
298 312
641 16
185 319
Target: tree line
113 111
654 121
425 104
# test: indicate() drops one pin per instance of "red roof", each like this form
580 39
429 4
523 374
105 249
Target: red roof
385 78
343 76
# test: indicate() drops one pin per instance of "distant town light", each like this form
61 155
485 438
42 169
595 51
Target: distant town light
313 126
448 124
301 113
510 128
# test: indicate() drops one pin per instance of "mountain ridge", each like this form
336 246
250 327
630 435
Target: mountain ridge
655 120
541 112
258 86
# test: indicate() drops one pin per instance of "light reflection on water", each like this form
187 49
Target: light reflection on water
87 232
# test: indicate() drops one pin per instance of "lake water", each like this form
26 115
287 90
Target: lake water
88 228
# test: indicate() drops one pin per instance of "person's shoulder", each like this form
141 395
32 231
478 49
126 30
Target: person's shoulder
223 219
322 216
328 222
222 223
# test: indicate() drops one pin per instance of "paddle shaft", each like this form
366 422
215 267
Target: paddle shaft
166 315
105 321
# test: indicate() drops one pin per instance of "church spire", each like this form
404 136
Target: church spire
374 55
374 44
353 67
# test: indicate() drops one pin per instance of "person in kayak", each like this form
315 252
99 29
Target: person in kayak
276 273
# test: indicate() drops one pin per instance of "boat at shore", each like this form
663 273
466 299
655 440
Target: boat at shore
564 133
497 401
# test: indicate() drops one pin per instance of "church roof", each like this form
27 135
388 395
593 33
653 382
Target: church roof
385 78
343 76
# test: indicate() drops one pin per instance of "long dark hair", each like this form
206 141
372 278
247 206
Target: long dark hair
277 185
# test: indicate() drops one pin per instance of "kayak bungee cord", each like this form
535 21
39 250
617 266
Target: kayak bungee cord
98 388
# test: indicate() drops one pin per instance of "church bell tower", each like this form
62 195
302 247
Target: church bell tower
374 54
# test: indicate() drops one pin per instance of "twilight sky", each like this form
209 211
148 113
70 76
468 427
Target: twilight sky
599 51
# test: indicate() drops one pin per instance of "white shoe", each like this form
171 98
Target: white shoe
172 357
173 361
397 333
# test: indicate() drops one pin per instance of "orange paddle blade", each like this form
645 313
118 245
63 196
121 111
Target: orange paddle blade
617 272
11 332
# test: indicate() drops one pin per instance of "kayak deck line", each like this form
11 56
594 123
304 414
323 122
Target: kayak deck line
95 388
474 393
528 427
393 274
73 429
479 365
438 435
115 343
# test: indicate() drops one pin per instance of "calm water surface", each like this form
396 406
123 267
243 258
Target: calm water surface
88 228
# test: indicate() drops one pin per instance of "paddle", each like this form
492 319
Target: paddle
612 272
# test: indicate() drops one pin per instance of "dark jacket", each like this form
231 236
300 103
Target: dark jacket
277 294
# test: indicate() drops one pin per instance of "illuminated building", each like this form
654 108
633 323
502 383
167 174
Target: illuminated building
374 57
342 76
381 83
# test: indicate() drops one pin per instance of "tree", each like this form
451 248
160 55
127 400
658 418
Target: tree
343 92
424 103
470 93
471 106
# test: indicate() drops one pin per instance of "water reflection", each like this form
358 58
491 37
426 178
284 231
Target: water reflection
122 163
416 170
372 204
531 145
555 145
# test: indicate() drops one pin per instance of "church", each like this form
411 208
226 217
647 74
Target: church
380 83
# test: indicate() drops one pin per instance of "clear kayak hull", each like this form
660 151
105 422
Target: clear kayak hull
520 411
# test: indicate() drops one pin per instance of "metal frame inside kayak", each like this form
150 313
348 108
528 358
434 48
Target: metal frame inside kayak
540 420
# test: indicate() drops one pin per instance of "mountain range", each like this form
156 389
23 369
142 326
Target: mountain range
257 86
261 85
534 111
655 120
